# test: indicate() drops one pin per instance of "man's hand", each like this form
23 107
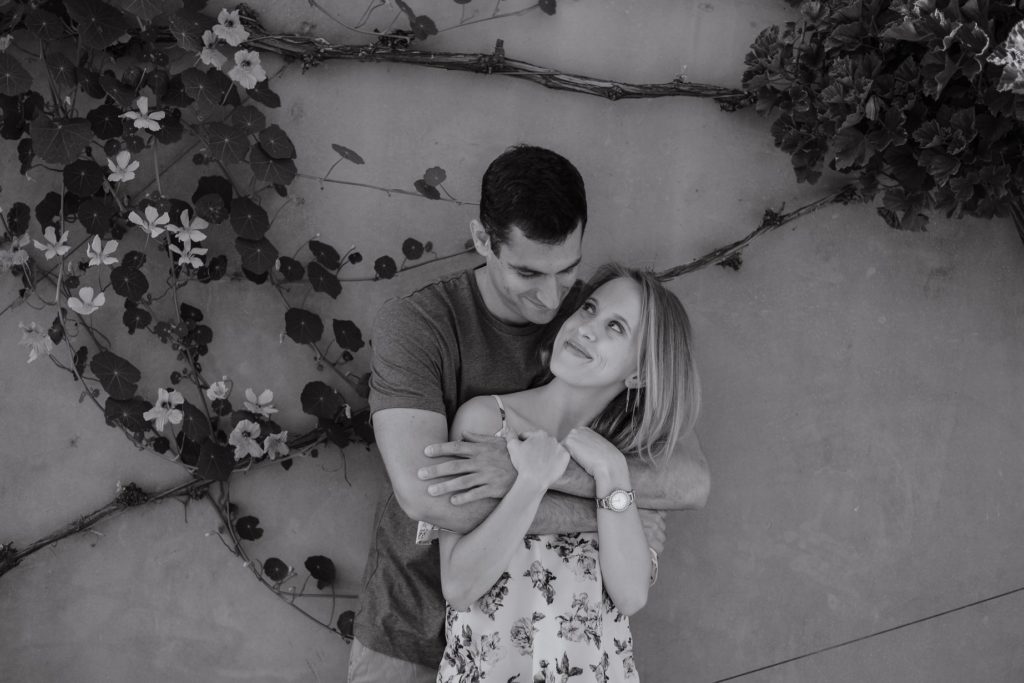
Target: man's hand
482 468
654 528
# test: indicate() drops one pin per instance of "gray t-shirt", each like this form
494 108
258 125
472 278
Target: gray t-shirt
432 350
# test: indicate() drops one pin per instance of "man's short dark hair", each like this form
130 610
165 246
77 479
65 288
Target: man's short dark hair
536 190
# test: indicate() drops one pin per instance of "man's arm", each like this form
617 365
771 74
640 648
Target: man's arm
681 483
403 433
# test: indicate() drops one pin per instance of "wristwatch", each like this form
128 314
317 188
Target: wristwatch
616 501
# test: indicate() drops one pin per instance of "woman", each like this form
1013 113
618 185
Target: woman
547 607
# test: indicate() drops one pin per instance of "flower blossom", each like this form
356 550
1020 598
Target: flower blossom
190 231
53 246
143 118
276 446
122 168
219 390
189 256
210 55
1010 55
5 41
166 409
243 438
261 405
37 339
16 255
229 28
152 222
101 254
87 301
247 71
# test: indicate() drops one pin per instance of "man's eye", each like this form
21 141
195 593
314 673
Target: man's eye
528 276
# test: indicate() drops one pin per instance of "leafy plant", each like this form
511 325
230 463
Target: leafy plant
921 101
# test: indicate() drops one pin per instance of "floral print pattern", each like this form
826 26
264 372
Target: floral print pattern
546 620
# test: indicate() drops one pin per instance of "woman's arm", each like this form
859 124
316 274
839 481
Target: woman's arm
471 563
625 560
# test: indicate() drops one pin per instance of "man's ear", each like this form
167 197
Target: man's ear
633 382
481 240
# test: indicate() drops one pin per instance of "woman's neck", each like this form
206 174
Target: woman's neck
557 407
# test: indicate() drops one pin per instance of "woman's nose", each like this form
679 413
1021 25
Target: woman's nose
586 331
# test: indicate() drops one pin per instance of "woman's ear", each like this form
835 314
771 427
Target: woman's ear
633 382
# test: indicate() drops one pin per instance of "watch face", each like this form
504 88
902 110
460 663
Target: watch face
619 500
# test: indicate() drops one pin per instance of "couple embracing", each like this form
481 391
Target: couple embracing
533 428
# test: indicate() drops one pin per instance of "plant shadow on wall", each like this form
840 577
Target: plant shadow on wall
918 101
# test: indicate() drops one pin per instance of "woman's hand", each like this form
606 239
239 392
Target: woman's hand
594 453
538 458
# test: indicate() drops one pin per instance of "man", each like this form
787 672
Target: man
478 332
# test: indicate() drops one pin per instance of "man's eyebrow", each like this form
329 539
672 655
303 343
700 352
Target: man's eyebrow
531 271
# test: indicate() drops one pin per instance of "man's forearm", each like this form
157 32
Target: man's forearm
563 513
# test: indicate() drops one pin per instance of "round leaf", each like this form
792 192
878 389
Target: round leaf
99 24
322 569
304 327
62 70
118 377
348 335
129 282
106 121
47 26
412 249
127 413
275 569
14 80
216 461
258 256
276 143
264 95
292 270
434 176
187 27
323 280
83 177
225 143
325 254
135 317
60 142
385 267
248 119
347 619
321 400
148 9
270 170
207 88
194 424
248 528
249 219
95 215
348 154
428 191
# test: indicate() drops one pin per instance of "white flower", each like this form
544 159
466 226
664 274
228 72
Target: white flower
5 41
122 168
219 390
189 256
1010 55
210 55
86 302
230 29
275 445
37 339
143 118
190 231
247 71
16 255
261 405
101 254
53 246
166 409
152 222
243 438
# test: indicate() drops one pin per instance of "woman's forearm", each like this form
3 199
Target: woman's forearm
473 562
625 560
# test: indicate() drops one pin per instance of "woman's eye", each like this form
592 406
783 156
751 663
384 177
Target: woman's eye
587 307
617 327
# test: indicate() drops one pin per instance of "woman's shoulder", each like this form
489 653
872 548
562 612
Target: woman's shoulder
481 415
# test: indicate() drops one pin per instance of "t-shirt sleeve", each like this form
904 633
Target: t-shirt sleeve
406 370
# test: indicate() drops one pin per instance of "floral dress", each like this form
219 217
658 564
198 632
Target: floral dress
547 619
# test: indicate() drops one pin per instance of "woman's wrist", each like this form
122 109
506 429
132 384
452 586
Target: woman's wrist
612 476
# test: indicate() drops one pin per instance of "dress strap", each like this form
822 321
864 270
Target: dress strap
501 411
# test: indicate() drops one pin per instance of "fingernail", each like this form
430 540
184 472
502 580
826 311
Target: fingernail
422 474
432 490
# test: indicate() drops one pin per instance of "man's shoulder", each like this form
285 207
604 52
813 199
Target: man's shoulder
446 291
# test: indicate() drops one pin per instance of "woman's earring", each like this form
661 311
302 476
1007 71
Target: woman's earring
633 382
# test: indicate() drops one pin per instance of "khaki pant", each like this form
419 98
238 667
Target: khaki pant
369 666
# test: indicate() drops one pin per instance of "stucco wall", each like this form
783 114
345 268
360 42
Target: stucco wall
863 387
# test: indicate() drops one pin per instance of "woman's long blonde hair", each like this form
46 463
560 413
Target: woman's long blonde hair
650 420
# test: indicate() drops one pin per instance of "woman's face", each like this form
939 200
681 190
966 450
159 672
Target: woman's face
596 345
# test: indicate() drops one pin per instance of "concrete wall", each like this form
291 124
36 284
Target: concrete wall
863 387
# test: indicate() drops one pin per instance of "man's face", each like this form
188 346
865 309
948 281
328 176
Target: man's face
527 281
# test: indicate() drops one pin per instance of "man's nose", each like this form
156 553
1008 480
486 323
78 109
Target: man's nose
549 293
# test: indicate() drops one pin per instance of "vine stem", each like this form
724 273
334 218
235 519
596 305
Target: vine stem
387 190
